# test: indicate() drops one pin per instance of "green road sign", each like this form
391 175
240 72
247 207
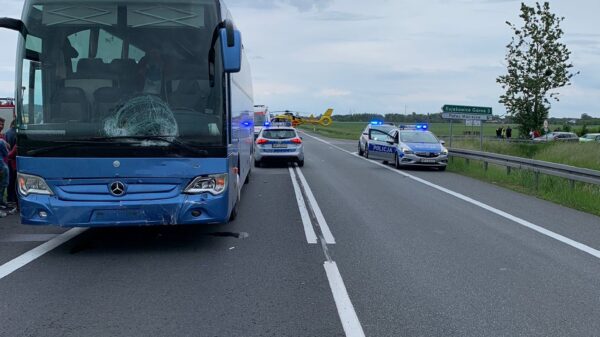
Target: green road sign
461 109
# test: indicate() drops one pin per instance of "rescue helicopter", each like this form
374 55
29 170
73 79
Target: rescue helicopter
294 120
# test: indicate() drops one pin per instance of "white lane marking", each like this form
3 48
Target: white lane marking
20 261
309 231
345 309
28 237
525 223
329 239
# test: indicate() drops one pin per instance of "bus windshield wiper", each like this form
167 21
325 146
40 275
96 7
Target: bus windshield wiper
166 139
65 144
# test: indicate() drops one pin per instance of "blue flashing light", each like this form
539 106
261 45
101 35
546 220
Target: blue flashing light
376 123
417 127
267 123
246 124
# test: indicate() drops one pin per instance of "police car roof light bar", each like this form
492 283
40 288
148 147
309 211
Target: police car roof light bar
418 126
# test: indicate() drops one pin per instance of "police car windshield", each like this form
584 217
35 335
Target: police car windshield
417 137
384 128
279 134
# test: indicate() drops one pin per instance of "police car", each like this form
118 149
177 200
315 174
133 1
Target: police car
411 145
364 137
278 143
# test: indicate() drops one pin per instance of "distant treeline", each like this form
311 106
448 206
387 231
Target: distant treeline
437 118
395 118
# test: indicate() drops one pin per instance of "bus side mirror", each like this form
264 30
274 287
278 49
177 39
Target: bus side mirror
14 24
231 45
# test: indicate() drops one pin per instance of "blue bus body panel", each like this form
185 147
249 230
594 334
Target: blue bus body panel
153 192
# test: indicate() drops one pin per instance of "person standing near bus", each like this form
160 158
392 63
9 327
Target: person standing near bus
11 139
3 171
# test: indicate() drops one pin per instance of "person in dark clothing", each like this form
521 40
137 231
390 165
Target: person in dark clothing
11 139
11 135
499 132
508 132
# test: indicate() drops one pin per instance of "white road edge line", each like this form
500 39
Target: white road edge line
22 260
329 239
525 223
350 322
309 231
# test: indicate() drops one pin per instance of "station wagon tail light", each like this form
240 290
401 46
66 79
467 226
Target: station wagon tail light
261 141
214 184
296 140
29 184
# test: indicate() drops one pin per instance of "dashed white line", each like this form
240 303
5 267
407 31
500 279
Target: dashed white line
20 261
329 239
309 231
348 316
525 223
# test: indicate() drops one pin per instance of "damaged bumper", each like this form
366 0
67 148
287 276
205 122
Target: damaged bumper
180 210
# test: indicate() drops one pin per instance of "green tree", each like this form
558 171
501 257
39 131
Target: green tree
537 64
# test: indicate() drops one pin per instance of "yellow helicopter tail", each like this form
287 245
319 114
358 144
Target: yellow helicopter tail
326 118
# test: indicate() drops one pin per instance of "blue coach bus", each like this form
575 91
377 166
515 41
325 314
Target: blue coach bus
131 112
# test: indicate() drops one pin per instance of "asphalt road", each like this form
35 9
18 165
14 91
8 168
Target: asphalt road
419 253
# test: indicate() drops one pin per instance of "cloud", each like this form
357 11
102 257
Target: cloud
344 16
332 92
301 5
271 88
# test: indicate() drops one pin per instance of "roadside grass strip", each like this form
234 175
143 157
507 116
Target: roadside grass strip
580 196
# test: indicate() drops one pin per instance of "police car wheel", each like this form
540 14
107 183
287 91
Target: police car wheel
396 161
257 163
301 163
366 150
360 150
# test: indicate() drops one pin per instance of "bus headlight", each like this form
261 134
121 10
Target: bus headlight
29 184
214 184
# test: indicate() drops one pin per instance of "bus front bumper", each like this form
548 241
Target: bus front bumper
181 210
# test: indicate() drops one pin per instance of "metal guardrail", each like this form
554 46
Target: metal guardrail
537 166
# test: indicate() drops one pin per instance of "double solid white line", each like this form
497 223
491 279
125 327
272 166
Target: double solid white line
349 319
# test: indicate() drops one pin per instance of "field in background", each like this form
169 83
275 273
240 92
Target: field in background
352 130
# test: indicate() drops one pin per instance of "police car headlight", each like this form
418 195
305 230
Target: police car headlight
407 150
214 184
29 184
444 151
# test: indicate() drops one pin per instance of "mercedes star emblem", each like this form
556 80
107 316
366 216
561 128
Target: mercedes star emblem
117 188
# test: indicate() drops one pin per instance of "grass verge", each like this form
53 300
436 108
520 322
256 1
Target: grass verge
580 196
585 155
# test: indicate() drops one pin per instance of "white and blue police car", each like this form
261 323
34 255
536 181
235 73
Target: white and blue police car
409 145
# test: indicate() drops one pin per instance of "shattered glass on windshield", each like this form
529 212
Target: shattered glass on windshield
142 116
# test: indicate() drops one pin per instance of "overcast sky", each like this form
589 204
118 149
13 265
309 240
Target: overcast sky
383 56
